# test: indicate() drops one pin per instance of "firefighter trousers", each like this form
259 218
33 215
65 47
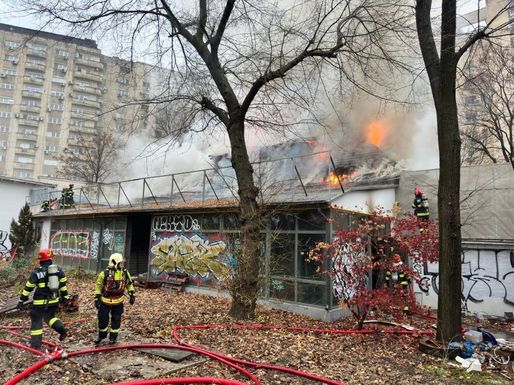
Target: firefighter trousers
38 314
115 313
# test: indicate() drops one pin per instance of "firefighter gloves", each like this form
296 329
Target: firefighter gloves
132 299
97 302
19 305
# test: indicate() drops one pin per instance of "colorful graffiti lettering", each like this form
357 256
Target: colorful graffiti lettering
194 255
486 275
108 238
175 223
95 241
71 243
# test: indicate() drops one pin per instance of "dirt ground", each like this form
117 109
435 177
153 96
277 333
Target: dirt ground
348 359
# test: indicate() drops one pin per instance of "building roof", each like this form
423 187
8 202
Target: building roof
48 35
24 181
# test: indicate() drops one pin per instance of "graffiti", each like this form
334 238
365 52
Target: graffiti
486 275
108 239
71 243
3 238
95 242
193 255
175 223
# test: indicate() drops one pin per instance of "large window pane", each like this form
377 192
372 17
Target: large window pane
231 222
313 294
282 254
281 289
211 222
307 269
282 222
313 220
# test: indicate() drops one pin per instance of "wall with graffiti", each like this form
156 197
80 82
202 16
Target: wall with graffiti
71 243
487 281
177 245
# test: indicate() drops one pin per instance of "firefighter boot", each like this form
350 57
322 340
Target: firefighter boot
63 334
112 341
98 340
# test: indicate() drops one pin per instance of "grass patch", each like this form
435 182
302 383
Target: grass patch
478 378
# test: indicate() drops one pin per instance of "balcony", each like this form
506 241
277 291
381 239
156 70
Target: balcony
85 102
31 94
35 66
26 122
88 76
36 52
24 166
26 151
33 80
87 90
23 135
89 63
27 108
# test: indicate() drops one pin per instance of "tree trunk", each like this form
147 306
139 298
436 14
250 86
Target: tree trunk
245 286
442 74
450 279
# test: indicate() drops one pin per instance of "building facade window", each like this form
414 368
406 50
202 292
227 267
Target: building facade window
24 159
7 86
5 114
4 100
52 134
22 173
12 44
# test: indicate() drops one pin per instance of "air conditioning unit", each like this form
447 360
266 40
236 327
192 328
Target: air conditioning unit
15 61
104 90
49 109
61 97
2 75
16 115
47 152
70 83
41 118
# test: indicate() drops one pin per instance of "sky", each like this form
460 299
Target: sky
423 138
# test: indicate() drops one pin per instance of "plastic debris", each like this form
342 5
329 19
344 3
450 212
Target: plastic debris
470 364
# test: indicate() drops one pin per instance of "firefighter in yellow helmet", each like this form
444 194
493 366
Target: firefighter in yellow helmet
111 285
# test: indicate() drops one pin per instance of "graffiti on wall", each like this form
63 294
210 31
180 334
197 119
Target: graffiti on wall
486 274
95 242
193 254
71 243
108 238
3 238
175 223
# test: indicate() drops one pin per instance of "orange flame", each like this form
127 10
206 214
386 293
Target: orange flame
376 132
333 180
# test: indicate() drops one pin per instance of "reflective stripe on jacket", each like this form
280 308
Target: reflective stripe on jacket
121 277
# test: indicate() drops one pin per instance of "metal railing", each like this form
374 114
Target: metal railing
286 179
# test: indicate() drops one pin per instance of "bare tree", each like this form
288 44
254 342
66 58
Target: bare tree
441 67
489 90
247 64
90 162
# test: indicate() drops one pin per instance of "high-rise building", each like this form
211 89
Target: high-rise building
484 69
56 92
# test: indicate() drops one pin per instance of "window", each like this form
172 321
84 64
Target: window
5 114
77 123
3 144
12 44
122 93
51 148
124 81
35 62
52 134
2 158
36 47
4 100
54 120
25 145
4 128
31 102
24 159
50 162
56 107
27 130
81 97
22 173
29 116
34 75
62 53
79 110
60 66
7 86
9 71
11 58
32 89
472 99
57 94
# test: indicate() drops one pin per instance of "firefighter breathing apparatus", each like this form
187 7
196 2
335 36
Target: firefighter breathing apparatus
53 278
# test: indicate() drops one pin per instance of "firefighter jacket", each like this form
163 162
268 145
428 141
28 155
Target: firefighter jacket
43 296
111 285
396 275
420 206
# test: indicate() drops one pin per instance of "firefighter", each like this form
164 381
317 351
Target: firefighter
420 205
396 277
45 206
68 197
111 285
62 199
50 284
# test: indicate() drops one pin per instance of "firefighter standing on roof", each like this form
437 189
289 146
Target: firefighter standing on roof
111 285
420 205
50 284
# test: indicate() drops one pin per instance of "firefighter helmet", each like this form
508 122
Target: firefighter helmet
115 260
418 191
45 255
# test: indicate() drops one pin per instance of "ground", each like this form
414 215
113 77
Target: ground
347 359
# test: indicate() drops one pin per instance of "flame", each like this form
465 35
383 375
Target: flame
333 180
376 132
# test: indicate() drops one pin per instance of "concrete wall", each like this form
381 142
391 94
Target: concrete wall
366 200
12 198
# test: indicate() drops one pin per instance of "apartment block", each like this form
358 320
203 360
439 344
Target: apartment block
56 92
